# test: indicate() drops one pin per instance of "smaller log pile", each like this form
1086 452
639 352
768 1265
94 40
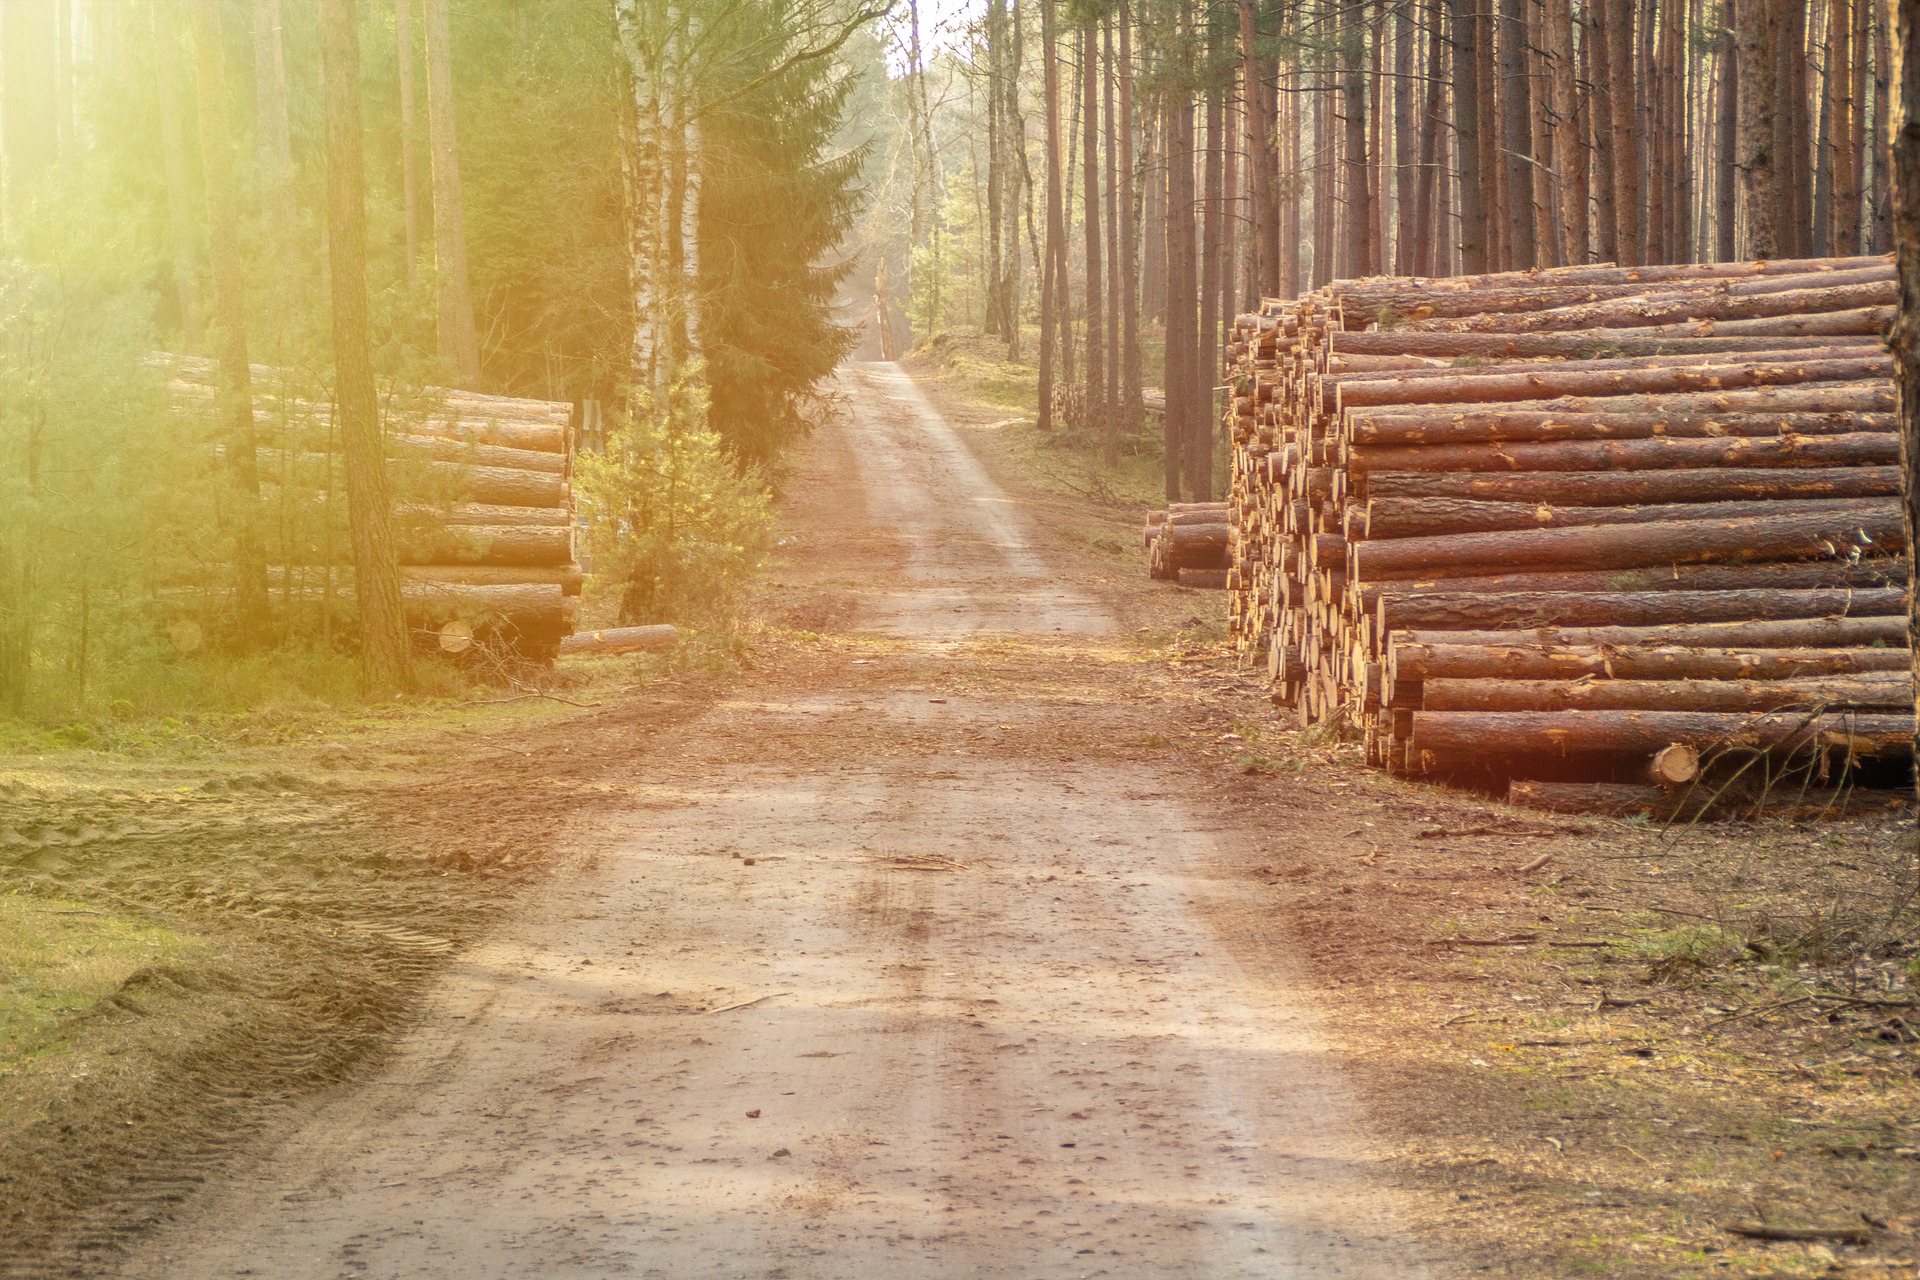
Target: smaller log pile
1188 543
483 515
1590 523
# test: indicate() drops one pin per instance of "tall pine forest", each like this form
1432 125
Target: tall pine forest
676 219
353 212
1103 187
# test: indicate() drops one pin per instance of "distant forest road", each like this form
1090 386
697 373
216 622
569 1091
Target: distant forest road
895 967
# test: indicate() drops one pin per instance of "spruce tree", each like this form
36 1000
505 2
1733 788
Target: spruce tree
775 204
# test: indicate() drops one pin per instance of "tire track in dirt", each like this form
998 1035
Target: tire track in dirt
894 964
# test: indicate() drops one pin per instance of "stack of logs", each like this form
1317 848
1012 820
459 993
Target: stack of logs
1188 543
1555 523
483 514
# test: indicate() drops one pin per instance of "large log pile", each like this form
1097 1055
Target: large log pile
1550 523
483 516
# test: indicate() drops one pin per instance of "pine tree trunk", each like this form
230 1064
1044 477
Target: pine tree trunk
409 133
996 302
182 226
1655 132
1753 33
1018 180
1517 136
1358 215
1259 73
1493 169
1153 219
1406 175
376 576
1095 385
1726 151
1212 259
1464 31
1183 337
1570 108
234 393
1446 262
1052 292
1606 222
459 346
276 147
1880 215
1110 398
1290 199
1905 216
1629 247
1426 260
1326 177
1128 266
1800 129
1845 164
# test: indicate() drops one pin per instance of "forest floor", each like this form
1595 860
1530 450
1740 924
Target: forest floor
982 921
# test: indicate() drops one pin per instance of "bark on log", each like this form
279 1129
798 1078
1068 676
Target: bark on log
1855 449
1606 488
1427 517
621 640
1890 690
1574 344
1676 308
1790 536
1803 576
1412 663
1555 382
1484 426
450 481
1473 610
1775 633
486 545
1456 734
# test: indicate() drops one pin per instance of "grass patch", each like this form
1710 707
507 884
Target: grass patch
58 959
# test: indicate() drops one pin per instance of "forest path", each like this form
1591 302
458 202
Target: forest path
962 1015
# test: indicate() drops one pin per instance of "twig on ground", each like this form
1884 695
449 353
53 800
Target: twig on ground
522 697
729 1008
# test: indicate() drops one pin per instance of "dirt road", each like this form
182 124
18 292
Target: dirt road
902 971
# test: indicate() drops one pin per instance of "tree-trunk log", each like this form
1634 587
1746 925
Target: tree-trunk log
1453 734
1410 663
1426 517
1478 610
1675 308
1819 575
1891 690
1485 426
1789 536
621 640
1774 633
1606 488
1573 344
1855 449
1552 383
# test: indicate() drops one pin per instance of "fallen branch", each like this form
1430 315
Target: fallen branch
1762 1231
729 1008
522 697
1515 940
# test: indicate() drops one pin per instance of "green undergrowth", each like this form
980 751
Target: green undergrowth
59 958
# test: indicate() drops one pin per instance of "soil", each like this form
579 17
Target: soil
986 924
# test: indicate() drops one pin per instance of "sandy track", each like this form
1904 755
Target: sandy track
990 1035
